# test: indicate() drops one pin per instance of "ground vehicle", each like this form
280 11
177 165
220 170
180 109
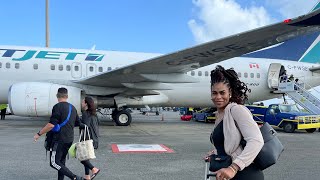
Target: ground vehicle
286 116
186 113
155 110
206 115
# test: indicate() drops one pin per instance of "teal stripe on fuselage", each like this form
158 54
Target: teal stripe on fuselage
313 56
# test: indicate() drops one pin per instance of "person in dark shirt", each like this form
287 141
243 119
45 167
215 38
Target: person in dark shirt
90 119
62 139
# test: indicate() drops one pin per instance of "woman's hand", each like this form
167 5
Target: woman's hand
225 173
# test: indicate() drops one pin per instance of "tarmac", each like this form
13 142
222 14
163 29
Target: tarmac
23 159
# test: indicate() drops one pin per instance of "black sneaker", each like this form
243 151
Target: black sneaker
79 178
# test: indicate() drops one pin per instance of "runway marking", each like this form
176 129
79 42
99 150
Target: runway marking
140 148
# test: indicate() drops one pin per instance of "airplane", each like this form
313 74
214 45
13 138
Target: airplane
30 76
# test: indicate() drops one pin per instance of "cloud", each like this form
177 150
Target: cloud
289 8
220 18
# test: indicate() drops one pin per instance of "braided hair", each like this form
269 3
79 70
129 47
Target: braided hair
229 77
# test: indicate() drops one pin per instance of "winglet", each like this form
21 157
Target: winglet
317 6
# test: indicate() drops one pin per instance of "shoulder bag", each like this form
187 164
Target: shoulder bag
84 148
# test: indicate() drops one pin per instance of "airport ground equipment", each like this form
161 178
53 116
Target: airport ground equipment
206 115
186 117
286 116
297 92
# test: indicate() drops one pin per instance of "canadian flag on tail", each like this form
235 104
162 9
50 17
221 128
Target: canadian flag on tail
254 65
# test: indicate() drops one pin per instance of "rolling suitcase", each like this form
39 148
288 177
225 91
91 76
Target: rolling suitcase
208 173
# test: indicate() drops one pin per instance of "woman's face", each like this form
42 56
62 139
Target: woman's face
84 105
220 95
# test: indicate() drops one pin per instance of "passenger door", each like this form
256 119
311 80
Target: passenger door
273 75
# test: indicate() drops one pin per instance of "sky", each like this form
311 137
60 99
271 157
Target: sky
155 26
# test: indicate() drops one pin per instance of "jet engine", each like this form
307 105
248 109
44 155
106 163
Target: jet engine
38 98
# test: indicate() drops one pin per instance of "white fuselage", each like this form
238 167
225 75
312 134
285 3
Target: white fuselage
64 65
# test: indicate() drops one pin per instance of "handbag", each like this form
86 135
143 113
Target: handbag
218 162
84 148
271 150
72 150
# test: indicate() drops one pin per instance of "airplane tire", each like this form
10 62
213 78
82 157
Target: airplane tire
288 127
311 130
123 118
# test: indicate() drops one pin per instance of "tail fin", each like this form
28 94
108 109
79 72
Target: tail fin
302 48
317 6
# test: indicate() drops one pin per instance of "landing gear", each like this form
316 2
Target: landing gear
122 117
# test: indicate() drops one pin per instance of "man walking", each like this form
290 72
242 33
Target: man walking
62 139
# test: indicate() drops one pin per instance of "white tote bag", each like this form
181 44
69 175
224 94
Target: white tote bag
84 149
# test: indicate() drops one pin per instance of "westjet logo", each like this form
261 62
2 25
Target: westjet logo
24 55
254 65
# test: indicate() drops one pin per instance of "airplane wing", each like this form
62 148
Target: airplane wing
152 73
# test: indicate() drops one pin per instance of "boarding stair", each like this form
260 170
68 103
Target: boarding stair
298 93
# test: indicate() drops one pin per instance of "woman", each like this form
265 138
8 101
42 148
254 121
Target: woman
234 122
90 119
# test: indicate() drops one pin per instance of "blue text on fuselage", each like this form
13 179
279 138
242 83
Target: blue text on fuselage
25 55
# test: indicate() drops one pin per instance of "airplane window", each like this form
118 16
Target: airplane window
76 68
192 73
109 68
91 69
7 65
206 73
239 74
100 69
258 75
53 67
68 68
199 73
60 67
0 65
245 75
17 65
251 75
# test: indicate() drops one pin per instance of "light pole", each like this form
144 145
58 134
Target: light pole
47 23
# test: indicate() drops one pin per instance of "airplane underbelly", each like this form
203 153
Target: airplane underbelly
192 95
